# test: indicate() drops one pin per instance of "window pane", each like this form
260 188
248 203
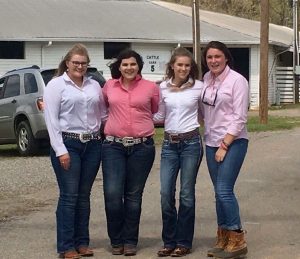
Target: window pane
112 49
12 87
1 86
30 84
12 50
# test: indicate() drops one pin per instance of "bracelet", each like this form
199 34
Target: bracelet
223 146
226 144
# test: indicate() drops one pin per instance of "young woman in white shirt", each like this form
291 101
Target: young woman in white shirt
181 151
74 111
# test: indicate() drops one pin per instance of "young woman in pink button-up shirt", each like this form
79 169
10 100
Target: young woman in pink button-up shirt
128 150
225 105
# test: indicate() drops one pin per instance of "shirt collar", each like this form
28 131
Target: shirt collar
68 79
220 77
137 78
187 84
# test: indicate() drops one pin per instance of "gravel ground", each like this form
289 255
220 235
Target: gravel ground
25 183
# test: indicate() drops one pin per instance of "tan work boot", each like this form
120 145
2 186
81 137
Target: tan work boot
220 243
236 246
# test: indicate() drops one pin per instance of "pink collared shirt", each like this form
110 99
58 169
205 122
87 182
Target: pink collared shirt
130 111
229 93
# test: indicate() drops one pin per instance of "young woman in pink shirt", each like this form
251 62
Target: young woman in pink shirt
225 100
128 150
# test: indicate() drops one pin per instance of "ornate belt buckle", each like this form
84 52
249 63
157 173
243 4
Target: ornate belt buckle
128 141
84 137
174 138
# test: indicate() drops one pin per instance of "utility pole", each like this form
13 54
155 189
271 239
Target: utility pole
196 34
296 52
264 52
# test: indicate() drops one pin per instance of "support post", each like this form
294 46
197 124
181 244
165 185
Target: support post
296 51
264 53
196 34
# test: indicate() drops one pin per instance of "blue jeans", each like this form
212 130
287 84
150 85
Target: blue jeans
75 184
186 156
125 171
224 175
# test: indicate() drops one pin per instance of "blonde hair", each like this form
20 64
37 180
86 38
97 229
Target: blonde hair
77 49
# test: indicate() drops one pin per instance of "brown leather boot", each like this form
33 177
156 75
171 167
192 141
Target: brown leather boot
222 238
236 246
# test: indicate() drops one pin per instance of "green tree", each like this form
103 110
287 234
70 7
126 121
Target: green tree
280 10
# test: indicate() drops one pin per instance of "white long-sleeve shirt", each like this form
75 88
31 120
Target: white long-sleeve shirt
179 109
69 108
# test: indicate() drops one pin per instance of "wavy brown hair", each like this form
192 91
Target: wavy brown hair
182 52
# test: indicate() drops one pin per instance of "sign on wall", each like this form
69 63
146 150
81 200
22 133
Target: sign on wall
155 62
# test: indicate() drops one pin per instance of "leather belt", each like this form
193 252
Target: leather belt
127 141
176 138
83 137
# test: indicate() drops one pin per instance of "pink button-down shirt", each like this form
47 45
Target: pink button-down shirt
130 111
229 92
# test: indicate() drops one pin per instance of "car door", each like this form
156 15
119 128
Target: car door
10 91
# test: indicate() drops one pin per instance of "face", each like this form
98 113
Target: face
182 68
129 68
216 61
77 66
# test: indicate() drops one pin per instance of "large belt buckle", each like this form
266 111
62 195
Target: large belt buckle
84 137
128 141
174 138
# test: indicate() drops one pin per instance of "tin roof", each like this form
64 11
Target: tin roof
124 20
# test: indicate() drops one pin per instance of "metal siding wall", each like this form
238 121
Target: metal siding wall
285 84
32 57
254 77
272 78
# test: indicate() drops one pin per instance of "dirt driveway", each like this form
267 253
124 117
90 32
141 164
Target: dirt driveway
268 190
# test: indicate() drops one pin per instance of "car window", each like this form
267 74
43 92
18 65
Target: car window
96 75
2 81
48 75
30 83
12 87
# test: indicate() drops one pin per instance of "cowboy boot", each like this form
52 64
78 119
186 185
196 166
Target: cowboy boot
220 243
236 246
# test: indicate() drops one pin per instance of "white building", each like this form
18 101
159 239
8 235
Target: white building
35 32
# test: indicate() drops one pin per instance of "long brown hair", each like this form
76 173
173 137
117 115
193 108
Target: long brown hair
77 49
182 52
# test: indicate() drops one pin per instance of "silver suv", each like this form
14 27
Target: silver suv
21 107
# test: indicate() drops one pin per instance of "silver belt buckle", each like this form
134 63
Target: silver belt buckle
84 137
128 141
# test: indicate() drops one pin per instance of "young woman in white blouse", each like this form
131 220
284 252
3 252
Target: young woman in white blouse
181 151
74 111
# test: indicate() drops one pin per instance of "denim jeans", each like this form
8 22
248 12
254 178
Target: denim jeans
186 156
125 171
75 184
224 175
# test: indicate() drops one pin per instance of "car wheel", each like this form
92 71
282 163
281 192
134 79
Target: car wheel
26 143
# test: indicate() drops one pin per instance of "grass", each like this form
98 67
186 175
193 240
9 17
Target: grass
254 125
274 123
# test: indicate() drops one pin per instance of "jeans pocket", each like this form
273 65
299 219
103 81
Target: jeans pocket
148 143
166 143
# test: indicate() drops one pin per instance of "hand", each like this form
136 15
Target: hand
65 161
220 155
